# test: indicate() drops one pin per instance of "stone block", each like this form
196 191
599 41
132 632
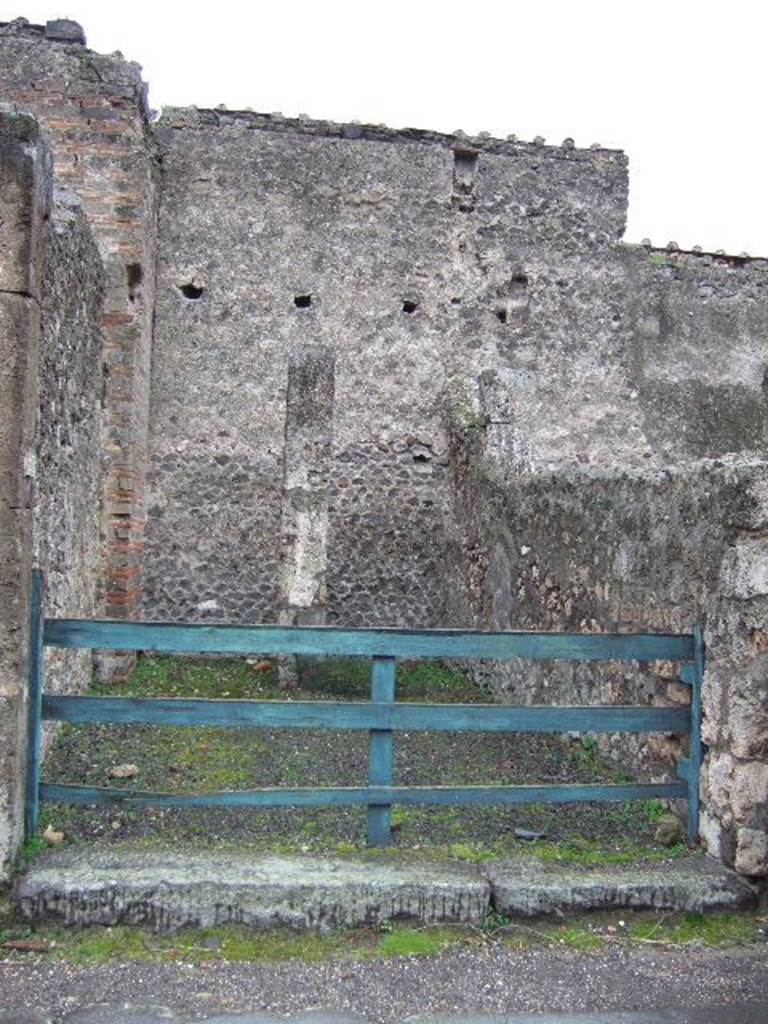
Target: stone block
749 789
166 891
735 699
752 852
64 30
25 199
744 570
696 883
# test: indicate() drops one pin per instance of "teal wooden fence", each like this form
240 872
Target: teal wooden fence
382 717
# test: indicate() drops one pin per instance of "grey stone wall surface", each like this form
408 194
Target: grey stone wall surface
534 424
51 384
524 422
628 358
69 456
585 550
25 186
94 111
397 251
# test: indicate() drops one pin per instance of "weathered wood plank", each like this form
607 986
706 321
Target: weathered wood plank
349 796
447 643
380 716
380 761
34 705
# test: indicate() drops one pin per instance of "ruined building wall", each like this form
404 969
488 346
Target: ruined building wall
93 109
51 288
68 486
639 505
517 421
277 235
24 202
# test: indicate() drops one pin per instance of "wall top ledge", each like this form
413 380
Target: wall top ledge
198 119
58 30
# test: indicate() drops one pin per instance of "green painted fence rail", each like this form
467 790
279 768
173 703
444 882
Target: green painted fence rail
382 716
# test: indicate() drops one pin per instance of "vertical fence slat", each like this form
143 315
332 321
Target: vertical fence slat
695 758
34 705
380 765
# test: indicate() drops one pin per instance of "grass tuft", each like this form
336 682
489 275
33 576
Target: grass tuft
719 930
585 933
416 942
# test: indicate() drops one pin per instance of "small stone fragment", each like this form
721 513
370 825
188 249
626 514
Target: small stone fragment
669 831
124 771
52 837
27 945
261 666
64 30
529 835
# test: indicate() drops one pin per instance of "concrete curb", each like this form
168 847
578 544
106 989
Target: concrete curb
110 1013
166 890
170 890
695 883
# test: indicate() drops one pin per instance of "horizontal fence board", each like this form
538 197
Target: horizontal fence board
454 795
444 643
338 715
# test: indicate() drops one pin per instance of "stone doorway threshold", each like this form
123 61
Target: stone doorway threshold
166 890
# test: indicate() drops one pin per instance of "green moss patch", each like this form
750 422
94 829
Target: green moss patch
587 933
726 929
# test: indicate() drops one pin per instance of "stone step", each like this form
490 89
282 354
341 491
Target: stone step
694 883
166 890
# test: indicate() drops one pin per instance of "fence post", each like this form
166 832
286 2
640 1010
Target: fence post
695 757
380 764
34 705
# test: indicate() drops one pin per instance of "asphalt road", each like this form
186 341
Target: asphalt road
692 986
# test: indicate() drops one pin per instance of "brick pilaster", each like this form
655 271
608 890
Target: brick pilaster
93 109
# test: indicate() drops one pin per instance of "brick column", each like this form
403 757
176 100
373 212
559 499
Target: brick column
93 108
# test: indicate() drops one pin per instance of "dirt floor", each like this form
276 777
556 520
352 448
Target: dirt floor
202 759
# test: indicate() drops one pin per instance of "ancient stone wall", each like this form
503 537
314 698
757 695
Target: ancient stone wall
632 499
25 183
68 446
518 420
93 108
400 252
51 289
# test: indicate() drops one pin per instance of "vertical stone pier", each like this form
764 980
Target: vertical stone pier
25 194
306 468
93 110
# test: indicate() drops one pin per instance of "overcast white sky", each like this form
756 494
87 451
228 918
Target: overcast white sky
681 86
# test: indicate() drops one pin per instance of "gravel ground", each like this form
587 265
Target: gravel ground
494 980
208 759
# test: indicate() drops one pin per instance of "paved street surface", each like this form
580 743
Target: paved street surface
492 986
